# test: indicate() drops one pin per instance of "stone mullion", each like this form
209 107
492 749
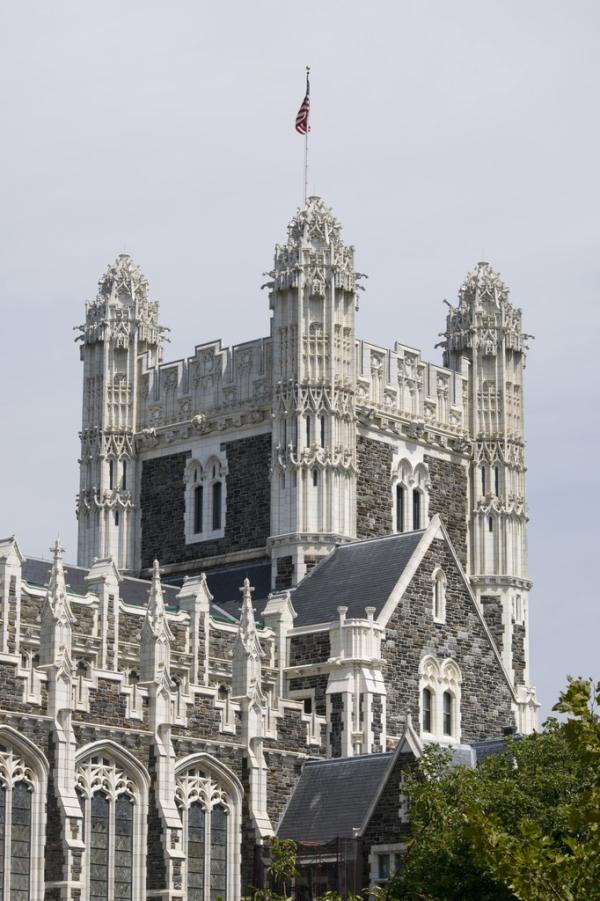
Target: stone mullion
111 848
7 837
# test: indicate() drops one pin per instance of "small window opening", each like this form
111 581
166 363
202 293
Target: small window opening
427 710
216 511
497 481
322 431
124 480
399 508
483 479
198 507
116 517
307 702
416 509
447 724
315 477
308 431
111 474
490 524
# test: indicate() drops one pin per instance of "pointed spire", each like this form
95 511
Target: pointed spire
155 614
247 621
57 589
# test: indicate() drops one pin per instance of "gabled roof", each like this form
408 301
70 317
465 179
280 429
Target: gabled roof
356 575
333 797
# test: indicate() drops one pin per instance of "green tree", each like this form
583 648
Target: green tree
525 824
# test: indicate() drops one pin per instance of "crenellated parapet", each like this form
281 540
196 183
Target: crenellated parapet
407 394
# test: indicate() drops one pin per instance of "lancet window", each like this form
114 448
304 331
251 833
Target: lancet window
210 815
439 581
113 804
22 819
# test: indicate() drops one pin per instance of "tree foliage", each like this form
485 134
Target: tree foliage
525 824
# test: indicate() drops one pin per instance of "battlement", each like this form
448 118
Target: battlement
213 380
399 383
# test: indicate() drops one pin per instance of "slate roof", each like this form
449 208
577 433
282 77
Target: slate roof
224 584
333 797
489 746
357 575
132 591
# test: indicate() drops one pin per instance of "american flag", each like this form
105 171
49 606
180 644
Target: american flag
302 125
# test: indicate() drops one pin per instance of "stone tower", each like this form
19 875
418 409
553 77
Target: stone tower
486 330
313 299
120 324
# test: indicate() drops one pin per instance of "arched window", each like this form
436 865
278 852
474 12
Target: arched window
440 692
209 802
416 496
439 595
400 513
427 710
23 780
204 499
113 801
447 713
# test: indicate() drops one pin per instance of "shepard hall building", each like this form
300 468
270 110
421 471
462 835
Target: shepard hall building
300 559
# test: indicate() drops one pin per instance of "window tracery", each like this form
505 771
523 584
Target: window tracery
23 780
209 804
114 807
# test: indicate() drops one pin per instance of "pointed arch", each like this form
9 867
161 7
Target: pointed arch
209 796
113 788
23 767
205 497
439 583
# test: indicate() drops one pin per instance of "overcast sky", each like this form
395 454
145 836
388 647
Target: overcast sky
442 133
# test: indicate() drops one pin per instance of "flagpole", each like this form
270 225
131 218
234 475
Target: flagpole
306 141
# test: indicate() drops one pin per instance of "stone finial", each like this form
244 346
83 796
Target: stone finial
155 614
247 652
155 655
56 594
247 621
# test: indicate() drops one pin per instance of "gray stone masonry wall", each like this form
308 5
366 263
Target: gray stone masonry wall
285 573
448 496
311 647
492 612
284 772
373 488
203 719
11 691
291 732
411 634
385 826
108 706
518 652
316 683
247 520
336 724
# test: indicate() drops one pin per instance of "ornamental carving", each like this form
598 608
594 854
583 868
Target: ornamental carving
13 768
197 786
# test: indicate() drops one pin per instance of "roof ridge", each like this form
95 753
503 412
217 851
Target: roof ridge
355 757
351 544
